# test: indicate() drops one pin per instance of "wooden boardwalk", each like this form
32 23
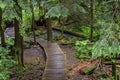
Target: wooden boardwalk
55 68
55 64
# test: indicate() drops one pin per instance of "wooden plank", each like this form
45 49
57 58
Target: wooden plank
47 78
58 61
57 54
56 58
52 50
55 75
55 64
57 71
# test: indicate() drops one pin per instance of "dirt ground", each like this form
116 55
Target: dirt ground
34 65
72 64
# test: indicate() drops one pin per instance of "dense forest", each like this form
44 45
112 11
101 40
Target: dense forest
80 39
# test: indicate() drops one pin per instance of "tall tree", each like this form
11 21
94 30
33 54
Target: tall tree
92 20
56 10
33 20
49 29
1 29
18 37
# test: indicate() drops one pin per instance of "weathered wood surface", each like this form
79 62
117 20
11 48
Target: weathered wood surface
55 64
55 68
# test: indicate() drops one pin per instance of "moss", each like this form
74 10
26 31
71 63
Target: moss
89 70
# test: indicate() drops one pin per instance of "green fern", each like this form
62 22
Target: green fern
57 11
108 45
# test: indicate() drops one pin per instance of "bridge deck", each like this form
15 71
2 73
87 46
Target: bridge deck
55 64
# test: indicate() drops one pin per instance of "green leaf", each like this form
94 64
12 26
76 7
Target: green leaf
57 11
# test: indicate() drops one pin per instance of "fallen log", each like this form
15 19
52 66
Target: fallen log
88 69
85 68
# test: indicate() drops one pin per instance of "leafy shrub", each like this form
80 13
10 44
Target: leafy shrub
71 40
83 49
5 64
58 37
38 32
107 78
86 31
9 41
108 46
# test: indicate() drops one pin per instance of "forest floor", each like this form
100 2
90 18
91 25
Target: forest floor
74 66
34 65
72 62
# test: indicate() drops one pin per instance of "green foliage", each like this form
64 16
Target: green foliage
86 31
108 45
58 37
77 8
2 5
57 11
36 13
107 78
83 49
9 11
6 63
49 3
26 24
71 40
38 32
9 41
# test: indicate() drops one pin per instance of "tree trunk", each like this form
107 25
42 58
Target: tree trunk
92 20
114 70
113 62
18 38
118 78
33 24
16 26
18 43
39 9
49 29
61 25
21 51
1 29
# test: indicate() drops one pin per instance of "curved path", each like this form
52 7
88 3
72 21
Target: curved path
55 64
55 58
55 61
